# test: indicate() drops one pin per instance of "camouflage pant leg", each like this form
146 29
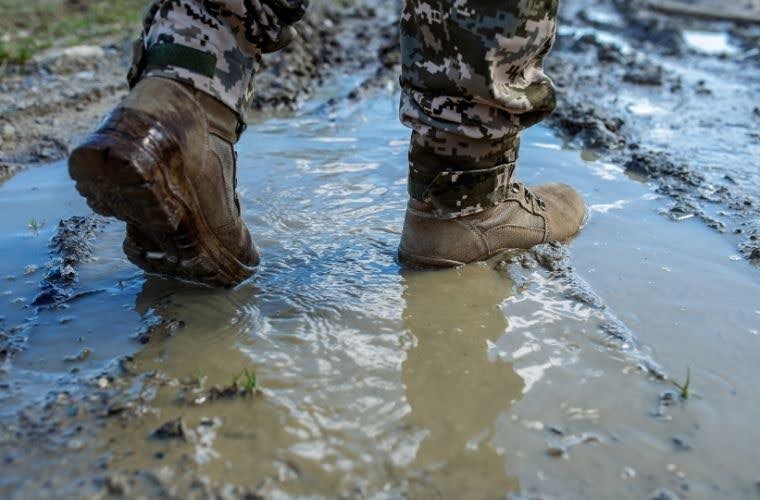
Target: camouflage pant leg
472 79
215 46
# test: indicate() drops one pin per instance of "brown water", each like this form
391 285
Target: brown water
379 382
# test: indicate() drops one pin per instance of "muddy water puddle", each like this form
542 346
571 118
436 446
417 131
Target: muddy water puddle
380 382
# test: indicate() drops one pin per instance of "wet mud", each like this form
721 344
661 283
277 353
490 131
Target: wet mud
551 372
640 87
557 372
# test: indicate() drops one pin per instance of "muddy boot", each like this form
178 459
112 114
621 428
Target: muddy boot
164 162
526 217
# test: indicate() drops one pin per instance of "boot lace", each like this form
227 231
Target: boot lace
529 196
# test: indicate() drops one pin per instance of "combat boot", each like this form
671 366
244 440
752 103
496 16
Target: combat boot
525 218
164 162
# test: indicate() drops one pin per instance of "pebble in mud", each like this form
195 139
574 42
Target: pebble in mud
174 429
681 443
80 357
663 494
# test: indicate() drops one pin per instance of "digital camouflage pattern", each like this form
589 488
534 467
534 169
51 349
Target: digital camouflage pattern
472 79
234 33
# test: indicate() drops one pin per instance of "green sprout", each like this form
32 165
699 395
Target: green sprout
35 226
685 388
249 382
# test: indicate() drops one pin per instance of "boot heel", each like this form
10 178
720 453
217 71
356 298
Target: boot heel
117 171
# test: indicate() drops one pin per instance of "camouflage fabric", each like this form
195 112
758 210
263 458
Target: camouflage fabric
226 38
472 80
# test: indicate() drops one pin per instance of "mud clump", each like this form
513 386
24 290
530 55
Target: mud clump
582 123
156 327
8 170
644 73
74 236
11 344
174 429
551 256
626 89
655 165
71 245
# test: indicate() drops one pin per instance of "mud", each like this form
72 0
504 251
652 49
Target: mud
632 88
69 247
546 373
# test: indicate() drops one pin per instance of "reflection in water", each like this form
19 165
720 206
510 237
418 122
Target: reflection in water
439 445
455 393
377 383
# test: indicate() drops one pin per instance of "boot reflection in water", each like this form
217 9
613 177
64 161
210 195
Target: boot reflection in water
456 395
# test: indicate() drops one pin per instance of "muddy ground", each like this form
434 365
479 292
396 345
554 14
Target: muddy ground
605 51
633 85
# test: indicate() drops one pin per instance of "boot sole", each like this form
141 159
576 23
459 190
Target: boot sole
418 261
122 177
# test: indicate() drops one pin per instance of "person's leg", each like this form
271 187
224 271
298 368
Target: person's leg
164 159
215 46
472 80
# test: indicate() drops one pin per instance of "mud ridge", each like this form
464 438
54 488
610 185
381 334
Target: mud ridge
623 70
613 334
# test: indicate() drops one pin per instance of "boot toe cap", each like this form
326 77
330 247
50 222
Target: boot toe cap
565 209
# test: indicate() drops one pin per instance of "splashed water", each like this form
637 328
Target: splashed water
381 382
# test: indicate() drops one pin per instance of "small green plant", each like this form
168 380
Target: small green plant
249 382
35 226
248 385
685 388
26 50
198 377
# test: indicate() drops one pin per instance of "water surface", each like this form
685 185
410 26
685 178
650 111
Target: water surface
382 382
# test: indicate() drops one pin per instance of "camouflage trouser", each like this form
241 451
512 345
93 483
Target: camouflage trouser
472 78
215 46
